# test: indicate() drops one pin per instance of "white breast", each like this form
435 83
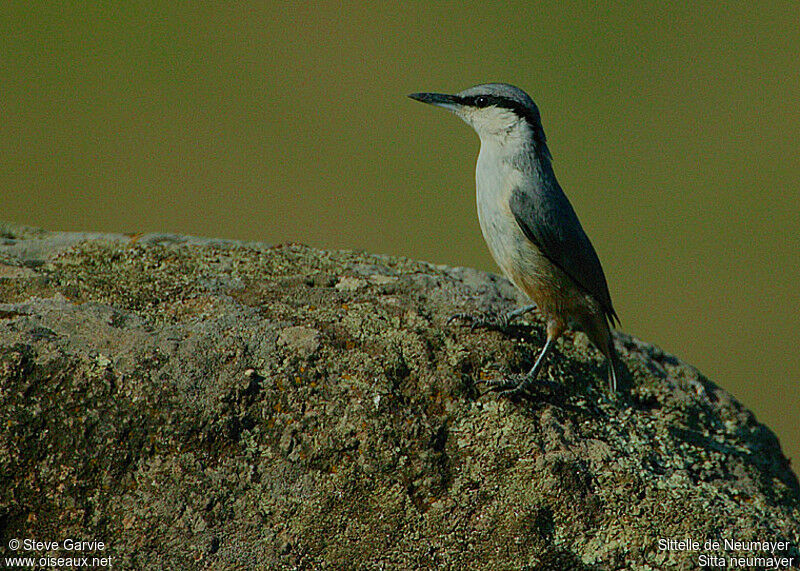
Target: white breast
495 178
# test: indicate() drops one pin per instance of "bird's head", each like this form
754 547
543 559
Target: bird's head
496 111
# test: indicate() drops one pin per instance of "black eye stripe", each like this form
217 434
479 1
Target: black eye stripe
482 101
519 109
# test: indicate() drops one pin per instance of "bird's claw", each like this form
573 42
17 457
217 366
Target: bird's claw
504 386
517 386
486 321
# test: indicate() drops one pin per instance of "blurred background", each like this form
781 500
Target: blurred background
674 131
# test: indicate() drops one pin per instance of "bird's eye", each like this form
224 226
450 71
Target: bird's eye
481 101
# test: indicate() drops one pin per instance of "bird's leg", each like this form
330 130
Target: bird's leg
537 366
487 321
520 311
520 384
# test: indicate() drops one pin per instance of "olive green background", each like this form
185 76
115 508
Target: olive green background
674 131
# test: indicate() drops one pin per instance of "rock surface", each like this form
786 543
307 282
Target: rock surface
223 405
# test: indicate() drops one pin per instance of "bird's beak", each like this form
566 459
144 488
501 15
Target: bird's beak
450 102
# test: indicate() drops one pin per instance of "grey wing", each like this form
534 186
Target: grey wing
552 225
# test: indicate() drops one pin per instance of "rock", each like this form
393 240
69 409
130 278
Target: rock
214 404
349 283
303 340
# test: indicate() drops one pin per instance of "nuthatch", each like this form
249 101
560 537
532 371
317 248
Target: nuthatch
528 223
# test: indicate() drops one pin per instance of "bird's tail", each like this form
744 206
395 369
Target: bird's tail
613 365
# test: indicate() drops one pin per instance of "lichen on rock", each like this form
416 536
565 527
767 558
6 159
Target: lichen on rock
216 404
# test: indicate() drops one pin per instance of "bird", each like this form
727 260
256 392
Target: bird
530 226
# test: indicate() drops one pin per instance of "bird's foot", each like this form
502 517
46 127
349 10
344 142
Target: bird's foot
498 322
520 385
